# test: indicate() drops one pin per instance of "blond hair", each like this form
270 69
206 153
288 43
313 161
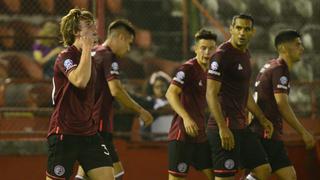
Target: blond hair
70 23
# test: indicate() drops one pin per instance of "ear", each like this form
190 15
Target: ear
121 36
254 30
230 29
77 33
281 48
194 47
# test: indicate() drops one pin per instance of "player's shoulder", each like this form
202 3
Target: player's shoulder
224 48
68 53
100 49
276 64
221 51
189 64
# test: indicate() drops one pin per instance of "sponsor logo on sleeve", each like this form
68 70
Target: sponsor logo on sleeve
114 68
213 68
179 77
282 87
68 64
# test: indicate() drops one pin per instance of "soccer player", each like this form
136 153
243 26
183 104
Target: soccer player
188 144
120 37
272 89
72 134
232 142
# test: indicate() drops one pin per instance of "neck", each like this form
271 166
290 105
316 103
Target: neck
287 59
77 44
241 48
203 66
108 43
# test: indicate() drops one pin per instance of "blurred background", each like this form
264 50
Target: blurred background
30 42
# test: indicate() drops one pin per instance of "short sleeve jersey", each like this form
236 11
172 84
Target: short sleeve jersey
73 107
191 78
273 78
231 67
107 70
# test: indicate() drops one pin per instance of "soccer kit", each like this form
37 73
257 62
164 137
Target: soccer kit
107 69
72 134
231 67
185 150
273 78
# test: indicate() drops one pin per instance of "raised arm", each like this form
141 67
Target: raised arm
80 76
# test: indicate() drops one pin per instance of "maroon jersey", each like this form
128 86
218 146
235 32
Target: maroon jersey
107 69
232 68
192 80
73 107
272 78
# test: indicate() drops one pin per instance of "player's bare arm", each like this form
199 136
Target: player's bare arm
256 111
80 76
226 136
118 91
289 116
173 98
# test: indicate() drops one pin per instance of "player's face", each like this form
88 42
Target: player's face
125 44
241 32
89 29
295 49
204 50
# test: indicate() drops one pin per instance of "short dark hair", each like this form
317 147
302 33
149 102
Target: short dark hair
286 36
242 16
205 34
122 24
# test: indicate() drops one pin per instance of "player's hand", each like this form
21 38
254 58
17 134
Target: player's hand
191 127
308 140
146 117
227 139
88 39
268 128
87 42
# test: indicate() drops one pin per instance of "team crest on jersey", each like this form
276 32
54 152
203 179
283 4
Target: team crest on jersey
229 164
68 64
59 170
93 53
180 77
114 68
283 80
240 67
182 167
